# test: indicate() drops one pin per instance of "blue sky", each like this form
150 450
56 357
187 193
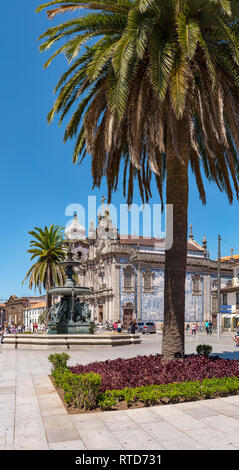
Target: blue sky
38 179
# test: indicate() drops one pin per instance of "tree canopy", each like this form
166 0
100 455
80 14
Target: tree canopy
47 247
135 69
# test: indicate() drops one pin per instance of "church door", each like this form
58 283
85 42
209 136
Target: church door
128 316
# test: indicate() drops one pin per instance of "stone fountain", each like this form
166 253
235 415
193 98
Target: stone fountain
69 323
70 315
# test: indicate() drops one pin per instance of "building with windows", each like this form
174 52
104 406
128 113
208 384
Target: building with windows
126 274
15 307
229 295
32 313
2 314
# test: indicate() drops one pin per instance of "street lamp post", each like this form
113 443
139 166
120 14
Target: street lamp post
137 281
219 288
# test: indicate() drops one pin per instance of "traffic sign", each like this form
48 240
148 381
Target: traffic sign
226 308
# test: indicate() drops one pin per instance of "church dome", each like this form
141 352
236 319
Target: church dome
75 231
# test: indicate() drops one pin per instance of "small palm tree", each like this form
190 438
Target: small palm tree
43 317
47 247
159 88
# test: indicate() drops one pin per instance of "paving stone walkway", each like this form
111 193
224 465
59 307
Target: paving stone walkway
33 417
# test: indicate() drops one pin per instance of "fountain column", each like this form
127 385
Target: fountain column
69 315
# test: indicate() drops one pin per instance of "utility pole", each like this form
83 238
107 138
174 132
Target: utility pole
137 283
219 288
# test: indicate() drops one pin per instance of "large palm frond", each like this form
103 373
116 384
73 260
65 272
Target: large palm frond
139 65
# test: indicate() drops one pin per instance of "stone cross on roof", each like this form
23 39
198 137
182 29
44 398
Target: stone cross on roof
102 201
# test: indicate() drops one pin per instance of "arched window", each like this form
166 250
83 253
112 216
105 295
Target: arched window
128 278
148 281
214 304
196 284
101 276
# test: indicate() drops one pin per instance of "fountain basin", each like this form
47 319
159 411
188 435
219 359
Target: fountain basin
67 341
67 290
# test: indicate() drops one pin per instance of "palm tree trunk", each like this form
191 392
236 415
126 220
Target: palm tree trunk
48 299
48 304
176 256
49 296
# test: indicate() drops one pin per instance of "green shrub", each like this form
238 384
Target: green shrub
81 391
89 390
69 399
204 349
70 383
107 401
59 361
149 396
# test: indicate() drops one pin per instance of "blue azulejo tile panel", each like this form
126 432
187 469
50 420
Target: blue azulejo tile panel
193 303
152 304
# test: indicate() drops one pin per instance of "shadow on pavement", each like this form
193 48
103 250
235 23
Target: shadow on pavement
228 354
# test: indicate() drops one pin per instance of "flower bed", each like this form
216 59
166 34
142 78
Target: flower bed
142 381
149 370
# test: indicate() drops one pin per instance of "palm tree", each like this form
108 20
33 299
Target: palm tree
158 82
47 247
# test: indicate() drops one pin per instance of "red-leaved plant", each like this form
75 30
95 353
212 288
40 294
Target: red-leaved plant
149 370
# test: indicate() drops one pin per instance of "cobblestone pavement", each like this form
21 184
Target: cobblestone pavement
33 417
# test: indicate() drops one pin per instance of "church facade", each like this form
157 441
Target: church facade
126 274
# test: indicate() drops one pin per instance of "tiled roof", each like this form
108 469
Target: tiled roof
34 306
229 258
151 241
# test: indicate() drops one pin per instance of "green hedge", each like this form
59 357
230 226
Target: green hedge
170 393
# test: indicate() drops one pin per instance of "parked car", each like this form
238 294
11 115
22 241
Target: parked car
145 327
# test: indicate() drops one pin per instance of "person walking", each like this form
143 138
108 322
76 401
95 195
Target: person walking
236 337
13 329
119 327
210 327
2 333
207 326
194 329
133 327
